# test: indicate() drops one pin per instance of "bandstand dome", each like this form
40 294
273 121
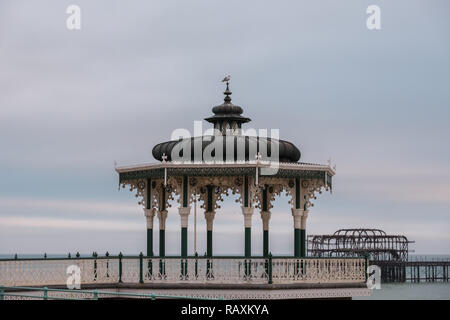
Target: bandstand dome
227 121
288 152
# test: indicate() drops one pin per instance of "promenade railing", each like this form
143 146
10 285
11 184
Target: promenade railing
193 269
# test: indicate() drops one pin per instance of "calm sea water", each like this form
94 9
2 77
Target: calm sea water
414 291
411 291
388 291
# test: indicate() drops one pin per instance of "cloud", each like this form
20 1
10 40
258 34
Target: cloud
68 205
46 223
73 102
435 192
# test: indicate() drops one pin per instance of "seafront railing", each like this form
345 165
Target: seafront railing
215 270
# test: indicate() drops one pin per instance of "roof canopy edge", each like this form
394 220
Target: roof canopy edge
304 171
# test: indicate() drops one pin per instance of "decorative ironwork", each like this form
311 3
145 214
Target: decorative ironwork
303 171
232 270
222 187
137 185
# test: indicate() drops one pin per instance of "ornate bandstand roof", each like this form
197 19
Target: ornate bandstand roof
227 121
288 152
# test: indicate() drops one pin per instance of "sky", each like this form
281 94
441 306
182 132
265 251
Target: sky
74 102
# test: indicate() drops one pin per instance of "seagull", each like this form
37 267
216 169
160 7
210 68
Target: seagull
226 79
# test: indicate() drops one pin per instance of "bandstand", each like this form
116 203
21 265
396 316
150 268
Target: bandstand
258 169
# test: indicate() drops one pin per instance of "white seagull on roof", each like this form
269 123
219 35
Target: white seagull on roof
226 79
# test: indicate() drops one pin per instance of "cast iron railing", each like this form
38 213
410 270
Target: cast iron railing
215 270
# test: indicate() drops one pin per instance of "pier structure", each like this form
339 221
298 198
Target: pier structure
389 252
426 269
357 242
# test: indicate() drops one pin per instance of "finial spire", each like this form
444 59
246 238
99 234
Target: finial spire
227 115
227 92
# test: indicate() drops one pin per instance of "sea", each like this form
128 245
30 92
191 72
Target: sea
410 291
388 291
414 291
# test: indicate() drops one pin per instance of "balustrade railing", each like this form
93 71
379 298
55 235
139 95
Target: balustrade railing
215 270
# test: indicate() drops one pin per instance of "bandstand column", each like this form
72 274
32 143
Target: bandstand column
149 213
303 233
162 216
184 212
297 214
300 214
209 216
265 216
247 211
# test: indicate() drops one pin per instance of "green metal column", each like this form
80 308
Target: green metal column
248 242
209 243
209 215
265 232
162 252
184 239
162 244
149 242
184 242
303 243
209 253
184 251
303 231
209 236
149 230
297 242
297 232
248 230
266 243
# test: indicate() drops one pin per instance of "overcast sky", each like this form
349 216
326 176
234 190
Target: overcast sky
73 102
